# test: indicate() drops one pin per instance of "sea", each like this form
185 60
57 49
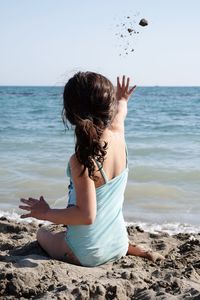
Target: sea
163 139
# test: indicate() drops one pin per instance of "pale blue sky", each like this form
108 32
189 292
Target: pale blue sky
44 41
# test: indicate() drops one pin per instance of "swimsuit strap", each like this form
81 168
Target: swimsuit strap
101 171
126 149
101 167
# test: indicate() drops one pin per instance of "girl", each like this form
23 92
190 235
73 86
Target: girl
98 171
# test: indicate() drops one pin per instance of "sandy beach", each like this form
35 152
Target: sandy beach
28 273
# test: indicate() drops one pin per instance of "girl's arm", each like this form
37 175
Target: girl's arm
83 213
122 94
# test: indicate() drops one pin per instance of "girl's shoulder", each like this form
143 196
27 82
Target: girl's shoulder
70 164
74 163
74 168
72 159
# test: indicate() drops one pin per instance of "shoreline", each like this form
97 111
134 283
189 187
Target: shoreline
167 227
27 272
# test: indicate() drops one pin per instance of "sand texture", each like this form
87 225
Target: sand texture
26 272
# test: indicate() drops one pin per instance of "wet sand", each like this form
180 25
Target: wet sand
26 272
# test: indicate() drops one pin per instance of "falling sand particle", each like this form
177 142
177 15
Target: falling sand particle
127 30
143 22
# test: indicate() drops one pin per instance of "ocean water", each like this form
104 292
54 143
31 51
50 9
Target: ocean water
163 138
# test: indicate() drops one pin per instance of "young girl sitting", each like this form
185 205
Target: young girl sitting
98 171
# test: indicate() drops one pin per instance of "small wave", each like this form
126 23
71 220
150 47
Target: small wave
144 173
26 94
170 228
18 93
37 111
13 216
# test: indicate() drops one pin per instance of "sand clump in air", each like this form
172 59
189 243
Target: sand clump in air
28 273
143 22
127 30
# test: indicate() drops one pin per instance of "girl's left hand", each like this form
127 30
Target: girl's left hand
37 208
123 90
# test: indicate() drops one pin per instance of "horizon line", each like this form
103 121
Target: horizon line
58 86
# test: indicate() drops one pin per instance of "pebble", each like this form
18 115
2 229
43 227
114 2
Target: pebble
143 22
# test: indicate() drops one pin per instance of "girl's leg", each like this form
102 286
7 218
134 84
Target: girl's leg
55 245
138 251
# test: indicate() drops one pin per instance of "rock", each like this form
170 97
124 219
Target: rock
130 30
143 22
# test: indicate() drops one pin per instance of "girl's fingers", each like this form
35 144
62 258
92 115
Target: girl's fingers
123 82
33 200
25 216
127 84
29 201
118 83
24 200
25 207
131 90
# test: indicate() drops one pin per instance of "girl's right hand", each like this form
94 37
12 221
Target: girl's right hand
123 90
38 209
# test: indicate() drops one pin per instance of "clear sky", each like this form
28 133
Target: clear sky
43 42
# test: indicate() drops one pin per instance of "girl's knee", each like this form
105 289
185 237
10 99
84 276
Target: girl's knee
40 234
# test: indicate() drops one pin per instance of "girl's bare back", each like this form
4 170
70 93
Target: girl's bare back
115 159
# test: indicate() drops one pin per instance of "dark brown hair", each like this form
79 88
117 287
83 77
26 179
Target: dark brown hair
89 103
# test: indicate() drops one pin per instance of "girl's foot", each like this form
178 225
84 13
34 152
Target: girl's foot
149 254
154 256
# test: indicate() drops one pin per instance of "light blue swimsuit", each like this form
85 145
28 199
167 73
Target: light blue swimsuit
106 239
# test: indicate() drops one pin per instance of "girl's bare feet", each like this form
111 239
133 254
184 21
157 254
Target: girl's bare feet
138 251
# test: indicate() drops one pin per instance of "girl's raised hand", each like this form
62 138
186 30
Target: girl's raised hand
123 89
37 208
